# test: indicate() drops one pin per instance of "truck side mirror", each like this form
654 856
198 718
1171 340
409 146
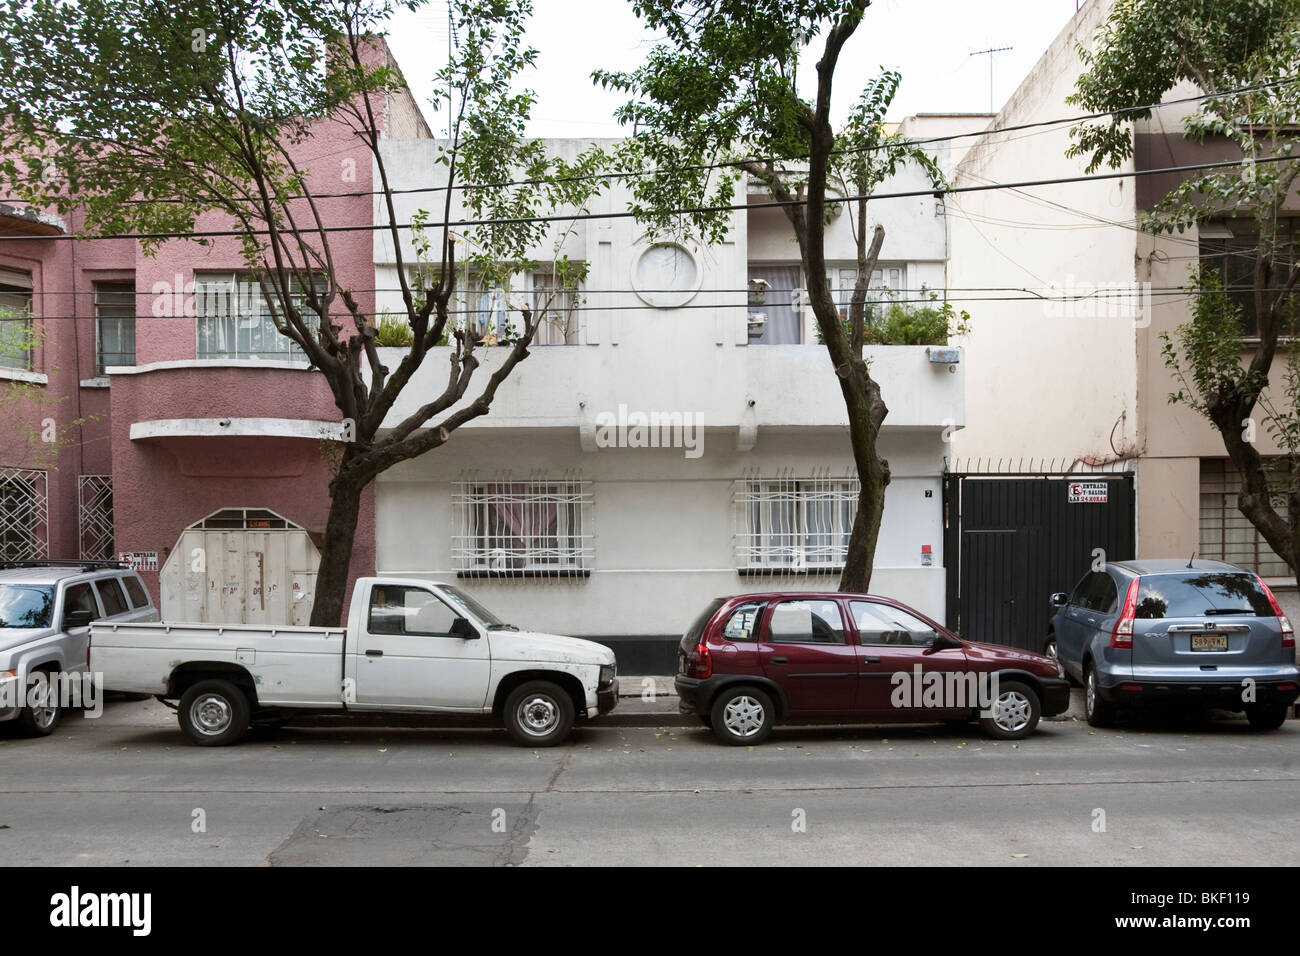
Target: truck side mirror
462 628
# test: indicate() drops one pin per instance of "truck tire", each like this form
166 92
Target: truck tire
539 714
41 721
214 713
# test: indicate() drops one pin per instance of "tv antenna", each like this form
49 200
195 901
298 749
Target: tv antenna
989 53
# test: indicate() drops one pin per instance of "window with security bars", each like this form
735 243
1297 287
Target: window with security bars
114 325
95 516
794 524
556 309
235 321
1225 533
24 515
523 528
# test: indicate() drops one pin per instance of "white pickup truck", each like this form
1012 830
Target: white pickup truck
409 645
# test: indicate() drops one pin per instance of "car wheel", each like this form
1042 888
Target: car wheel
742 716
40 719
1100 713
539 714
214 713
1266 716
1014 714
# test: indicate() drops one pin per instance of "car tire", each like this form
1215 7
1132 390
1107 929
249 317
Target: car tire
214 713
1266 716
539 714
41 721
1015 712
1100 713
742 716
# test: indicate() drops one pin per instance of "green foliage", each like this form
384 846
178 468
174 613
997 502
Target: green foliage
1204 354
900 324
865 156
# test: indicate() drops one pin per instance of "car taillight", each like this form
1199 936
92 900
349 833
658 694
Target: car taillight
1288 632
1122 634
702 664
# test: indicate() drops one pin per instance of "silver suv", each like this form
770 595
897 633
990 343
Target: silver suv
1196 632
45 614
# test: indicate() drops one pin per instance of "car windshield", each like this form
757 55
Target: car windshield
475 609
22 606
1201 594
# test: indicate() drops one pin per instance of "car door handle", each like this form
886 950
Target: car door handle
871 660
780 660
374 653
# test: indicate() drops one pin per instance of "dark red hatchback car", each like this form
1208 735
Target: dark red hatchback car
753 660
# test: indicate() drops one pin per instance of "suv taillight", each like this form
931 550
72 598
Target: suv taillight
1122 634
1288 633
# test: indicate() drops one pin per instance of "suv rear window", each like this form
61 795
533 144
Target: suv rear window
111 596
136 590
1200 594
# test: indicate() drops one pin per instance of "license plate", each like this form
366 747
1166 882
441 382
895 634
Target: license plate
1209 642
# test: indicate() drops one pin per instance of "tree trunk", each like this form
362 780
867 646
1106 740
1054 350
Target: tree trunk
336 555
866 411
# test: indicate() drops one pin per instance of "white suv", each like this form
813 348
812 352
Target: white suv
45 614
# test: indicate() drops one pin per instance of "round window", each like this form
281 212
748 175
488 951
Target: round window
667 275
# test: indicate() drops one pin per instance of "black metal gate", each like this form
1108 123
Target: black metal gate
1011 540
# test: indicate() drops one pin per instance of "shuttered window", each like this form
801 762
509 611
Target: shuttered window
1226 534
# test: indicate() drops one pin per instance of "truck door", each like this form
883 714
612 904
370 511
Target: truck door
408 658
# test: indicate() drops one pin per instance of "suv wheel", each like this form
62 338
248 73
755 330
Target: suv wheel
1014 714
1266 716
742 716
1100 713
41 719
214 713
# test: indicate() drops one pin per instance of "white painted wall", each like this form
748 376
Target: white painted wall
1053 384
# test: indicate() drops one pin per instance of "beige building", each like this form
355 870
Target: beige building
1069 300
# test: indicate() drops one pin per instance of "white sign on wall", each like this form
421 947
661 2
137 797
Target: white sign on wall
139 560
1088 492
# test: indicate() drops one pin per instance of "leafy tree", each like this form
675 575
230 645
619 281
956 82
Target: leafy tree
147 114
1144 49
717 101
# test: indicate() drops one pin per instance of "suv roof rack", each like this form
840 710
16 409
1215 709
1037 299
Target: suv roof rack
88 564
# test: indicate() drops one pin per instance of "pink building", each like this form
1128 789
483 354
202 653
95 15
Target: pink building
151 409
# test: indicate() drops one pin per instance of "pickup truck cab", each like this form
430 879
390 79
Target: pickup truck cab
409 646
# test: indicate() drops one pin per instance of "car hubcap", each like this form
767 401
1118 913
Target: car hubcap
538 715
743 716
1091 695
44 712
211 714
1011 711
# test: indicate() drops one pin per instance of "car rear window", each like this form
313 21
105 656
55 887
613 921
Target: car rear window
111 596
1201 593
692 635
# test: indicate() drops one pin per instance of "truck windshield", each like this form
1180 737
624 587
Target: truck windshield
474 609
25 606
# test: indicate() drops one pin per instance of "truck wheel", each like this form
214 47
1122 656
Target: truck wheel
1014 715
40 720
742 716
539 714
214 713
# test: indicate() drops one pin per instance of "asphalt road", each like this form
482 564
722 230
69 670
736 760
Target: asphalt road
128 789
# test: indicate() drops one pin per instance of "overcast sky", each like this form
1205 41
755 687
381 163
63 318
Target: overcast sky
929 41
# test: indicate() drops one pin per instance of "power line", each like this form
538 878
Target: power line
937 193
732 164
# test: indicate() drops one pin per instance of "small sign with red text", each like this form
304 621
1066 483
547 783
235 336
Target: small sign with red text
1087 492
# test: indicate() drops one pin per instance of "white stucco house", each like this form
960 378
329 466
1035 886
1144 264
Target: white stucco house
676 434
